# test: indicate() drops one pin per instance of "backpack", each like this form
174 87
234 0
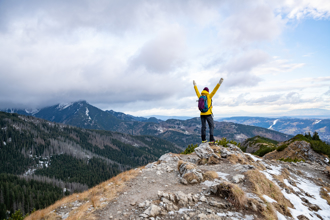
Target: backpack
202 104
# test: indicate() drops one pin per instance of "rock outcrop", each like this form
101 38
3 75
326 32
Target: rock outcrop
301 150
215 182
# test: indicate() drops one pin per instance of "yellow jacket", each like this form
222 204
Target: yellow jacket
209 97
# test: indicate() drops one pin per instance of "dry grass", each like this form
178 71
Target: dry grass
202 161
190 166
107 190
214 160
180 162
263 186
216 149
210 175
184 166
325 194
233 193
190 177
327 171
285 174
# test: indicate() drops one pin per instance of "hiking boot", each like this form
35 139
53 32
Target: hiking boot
204 141
211 142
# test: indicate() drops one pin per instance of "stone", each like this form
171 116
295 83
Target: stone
150 165
152 211
202 216
202 199
183 181
204 151
169 169
144 204
168 157
217 204
238 178
181 198
302 217
314 207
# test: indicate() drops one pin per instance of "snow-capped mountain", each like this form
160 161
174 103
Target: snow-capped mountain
286 125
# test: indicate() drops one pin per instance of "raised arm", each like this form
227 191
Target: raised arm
196 89
216 88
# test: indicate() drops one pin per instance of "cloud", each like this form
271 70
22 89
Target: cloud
297 9
276 65
247 99
252 22
242 79
246 61
139 53
163 53
327 93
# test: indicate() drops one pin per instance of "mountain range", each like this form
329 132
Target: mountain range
292 126
179 132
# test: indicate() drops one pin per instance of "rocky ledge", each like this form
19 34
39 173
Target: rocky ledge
214 182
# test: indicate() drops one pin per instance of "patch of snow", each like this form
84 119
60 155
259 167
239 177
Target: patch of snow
223 175
299 208
29 172
269 199
209 183
32 111
87 114
253 157
274 123
252 195
326 160
65 216
4 143
280 216
64 106
171 213
276 170
234 215
182 210
186 132
316 122
160 129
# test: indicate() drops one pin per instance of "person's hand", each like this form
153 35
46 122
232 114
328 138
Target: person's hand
194 82
221 80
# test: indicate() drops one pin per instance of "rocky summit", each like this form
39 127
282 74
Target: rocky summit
213 182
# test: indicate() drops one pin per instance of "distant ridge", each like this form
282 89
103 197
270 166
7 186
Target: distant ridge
180 132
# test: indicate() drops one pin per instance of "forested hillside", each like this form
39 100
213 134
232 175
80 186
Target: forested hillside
64 156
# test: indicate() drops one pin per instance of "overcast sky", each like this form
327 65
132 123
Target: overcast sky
141 56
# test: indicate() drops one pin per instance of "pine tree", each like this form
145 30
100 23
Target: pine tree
316 136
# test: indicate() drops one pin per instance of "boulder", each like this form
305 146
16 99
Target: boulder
204 151
238 178
152 211
168 157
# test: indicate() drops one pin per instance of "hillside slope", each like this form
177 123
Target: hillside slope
214 182
67 157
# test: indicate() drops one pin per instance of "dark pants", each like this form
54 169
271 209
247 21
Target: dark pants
209 120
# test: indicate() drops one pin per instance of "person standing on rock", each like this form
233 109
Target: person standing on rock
205 106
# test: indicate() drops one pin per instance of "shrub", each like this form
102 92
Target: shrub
282 147
190 149
295 160
264 150
223 141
